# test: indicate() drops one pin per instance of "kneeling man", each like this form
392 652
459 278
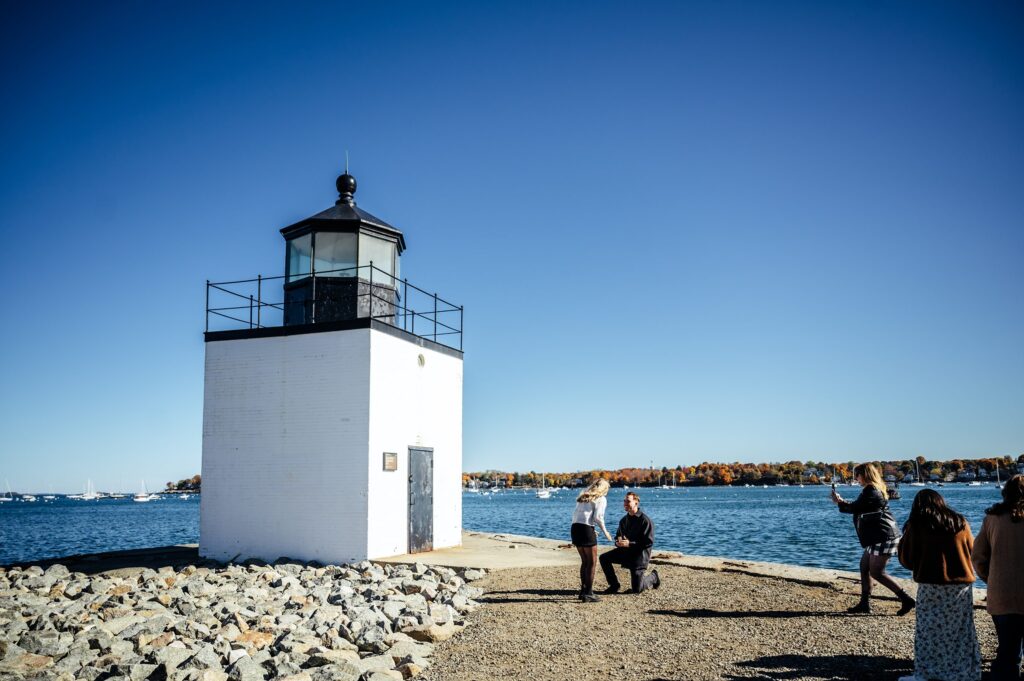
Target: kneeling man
633 542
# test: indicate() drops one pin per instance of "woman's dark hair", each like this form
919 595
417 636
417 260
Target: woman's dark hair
1013 500
930 511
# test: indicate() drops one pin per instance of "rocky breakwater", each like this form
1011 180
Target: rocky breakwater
244 622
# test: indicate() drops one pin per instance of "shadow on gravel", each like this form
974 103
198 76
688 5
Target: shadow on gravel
555 595
826 668
700 613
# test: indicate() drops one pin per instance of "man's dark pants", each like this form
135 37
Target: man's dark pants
639 578
1010 633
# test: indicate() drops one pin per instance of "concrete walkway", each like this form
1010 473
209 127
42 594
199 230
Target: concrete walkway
495 552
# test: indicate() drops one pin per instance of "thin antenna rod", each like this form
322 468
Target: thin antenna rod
346 161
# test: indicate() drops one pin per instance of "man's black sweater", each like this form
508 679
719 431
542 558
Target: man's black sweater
639 530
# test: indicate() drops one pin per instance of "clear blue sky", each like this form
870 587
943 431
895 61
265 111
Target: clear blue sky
682 232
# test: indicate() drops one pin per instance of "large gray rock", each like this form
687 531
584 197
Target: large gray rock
115 626
246 669
24 664
404 649
57 571
374 662
321 657
383 675
9 649
141 672
76 658
372 639
170 657
336 672
47 642
12 630
204 657
212 675
282 665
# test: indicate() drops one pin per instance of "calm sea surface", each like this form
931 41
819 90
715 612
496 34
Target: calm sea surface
797 525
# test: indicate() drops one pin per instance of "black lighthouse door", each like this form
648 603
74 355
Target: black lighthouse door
421 499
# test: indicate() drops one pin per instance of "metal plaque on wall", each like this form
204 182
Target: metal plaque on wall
390 461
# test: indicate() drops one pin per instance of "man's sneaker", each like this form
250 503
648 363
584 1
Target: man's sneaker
611 590
907 605
590 598
657 579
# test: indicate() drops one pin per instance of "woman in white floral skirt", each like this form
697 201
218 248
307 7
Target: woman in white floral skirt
936 547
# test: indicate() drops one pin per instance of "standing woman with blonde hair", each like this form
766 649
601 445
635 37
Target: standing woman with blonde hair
878 534
590 507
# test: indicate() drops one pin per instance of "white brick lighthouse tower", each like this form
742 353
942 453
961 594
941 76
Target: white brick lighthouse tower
332 412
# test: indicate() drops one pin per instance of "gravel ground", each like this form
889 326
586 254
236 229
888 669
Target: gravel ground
699 625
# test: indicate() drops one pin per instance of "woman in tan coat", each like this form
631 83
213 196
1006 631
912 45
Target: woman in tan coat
936 548
999 560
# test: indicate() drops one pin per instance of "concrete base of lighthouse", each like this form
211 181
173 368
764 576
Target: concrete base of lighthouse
307 439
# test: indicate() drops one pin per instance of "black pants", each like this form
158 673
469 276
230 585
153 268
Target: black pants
1010 634
638 577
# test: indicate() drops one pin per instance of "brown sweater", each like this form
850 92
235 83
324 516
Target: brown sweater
937 557
999 559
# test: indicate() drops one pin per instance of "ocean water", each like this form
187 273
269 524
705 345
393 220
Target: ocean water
797 525
63 527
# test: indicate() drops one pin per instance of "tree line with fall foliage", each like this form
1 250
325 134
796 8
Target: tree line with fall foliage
791 472
192 484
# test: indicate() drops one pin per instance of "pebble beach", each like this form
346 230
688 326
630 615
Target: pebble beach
699 625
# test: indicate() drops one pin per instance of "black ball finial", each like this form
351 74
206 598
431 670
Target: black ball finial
346 185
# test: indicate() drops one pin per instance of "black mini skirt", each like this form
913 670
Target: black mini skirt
583 535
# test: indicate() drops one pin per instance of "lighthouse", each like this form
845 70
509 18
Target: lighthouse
332 406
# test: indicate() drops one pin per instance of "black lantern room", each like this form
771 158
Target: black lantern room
341 264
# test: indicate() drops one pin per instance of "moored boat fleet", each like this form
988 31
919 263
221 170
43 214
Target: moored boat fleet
89 493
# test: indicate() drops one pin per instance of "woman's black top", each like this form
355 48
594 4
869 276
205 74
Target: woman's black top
871 516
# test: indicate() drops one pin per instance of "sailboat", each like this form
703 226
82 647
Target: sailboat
999 483
543 492
143 495
917 474
7 496
90 492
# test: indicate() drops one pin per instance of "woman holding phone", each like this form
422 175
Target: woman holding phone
590 507
877 532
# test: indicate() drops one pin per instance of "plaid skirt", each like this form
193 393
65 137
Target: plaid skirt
885 548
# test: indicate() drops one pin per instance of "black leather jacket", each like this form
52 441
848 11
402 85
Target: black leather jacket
871 516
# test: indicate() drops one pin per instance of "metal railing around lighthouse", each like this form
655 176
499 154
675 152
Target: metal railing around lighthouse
248 303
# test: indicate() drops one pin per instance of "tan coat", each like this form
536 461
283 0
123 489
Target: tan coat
999 559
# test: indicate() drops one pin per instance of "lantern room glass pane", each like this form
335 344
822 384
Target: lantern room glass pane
335 254
300 251
382 254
